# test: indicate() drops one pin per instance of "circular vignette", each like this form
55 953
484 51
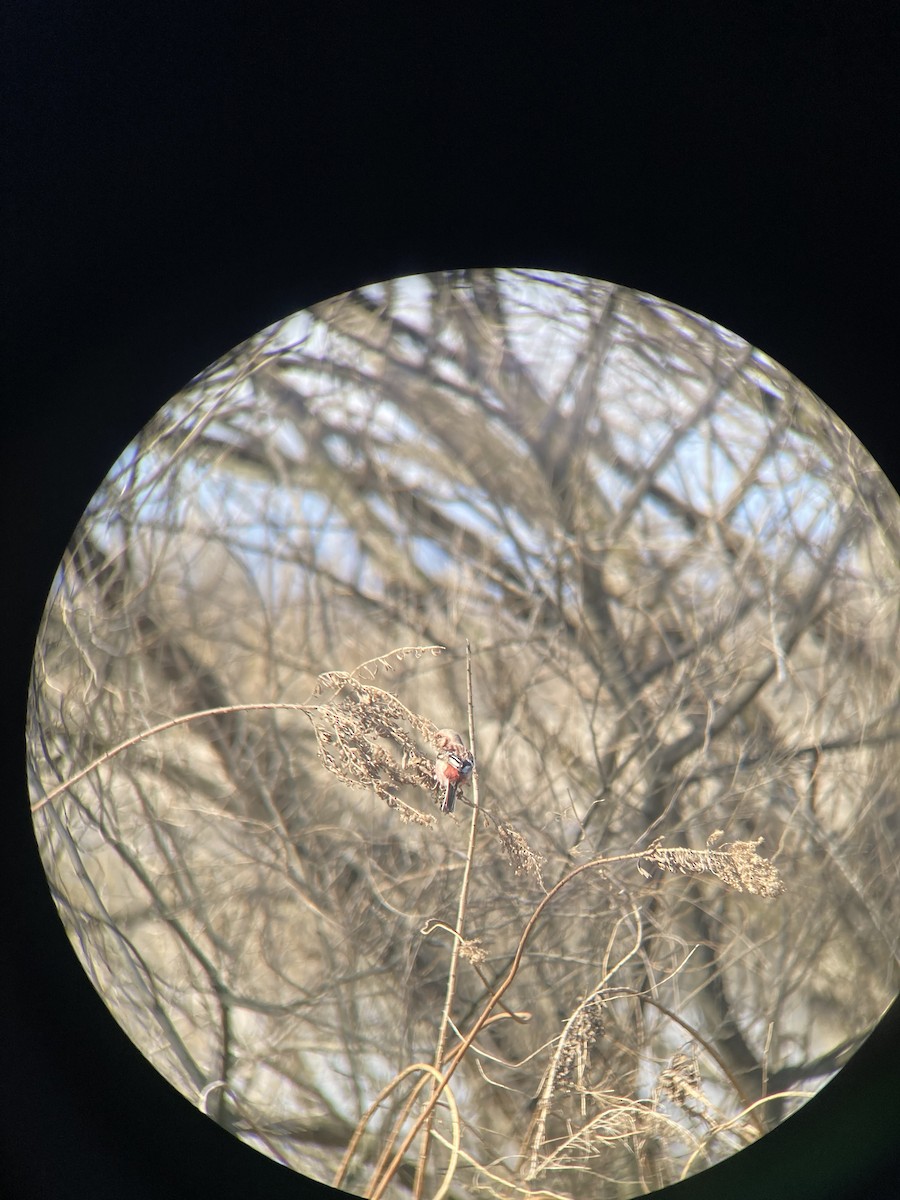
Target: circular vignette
620 579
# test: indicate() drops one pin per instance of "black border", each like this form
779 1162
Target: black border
181 179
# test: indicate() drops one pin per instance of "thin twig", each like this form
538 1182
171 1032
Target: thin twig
222 711
458 941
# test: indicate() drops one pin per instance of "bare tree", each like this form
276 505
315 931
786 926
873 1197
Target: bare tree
665 914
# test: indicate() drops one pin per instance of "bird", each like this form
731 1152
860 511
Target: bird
453 765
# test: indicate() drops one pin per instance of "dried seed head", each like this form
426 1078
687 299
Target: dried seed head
473 950
681 1082
368 739
518 852
737 865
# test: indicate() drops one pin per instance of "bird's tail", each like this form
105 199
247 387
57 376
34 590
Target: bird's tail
449 798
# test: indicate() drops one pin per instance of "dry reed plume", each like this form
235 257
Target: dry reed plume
737 864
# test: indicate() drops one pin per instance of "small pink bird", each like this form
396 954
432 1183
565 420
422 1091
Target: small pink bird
453 765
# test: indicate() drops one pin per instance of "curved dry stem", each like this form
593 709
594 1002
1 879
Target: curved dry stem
371 665
454 1147
379 1186
426 1068
739 1117
185 719
508 1184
